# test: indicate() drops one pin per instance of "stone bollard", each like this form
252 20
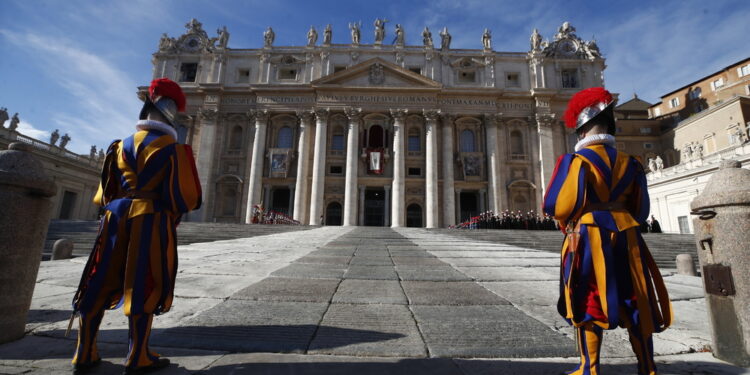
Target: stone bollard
25 190
722 234
62 249
685 265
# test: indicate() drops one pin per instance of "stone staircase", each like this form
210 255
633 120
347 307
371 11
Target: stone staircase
664 246
83 233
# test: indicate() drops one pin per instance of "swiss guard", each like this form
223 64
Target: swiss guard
608 278
148 182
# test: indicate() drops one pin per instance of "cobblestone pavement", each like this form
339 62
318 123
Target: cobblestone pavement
357 300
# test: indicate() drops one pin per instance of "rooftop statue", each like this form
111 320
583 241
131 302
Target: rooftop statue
445 39
355 28
268 37
327 35
379 30
223 37
3 116
427 37
312 36
487 39
14 122
399 40
64 140
536 40
54 137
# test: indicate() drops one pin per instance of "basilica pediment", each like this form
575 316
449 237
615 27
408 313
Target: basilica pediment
376 73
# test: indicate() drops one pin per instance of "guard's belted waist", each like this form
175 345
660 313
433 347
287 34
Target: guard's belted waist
604 206
141 194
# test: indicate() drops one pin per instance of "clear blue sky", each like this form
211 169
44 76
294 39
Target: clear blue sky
74 65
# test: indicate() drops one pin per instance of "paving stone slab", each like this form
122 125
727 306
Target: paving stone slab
430 273
511 273
371 273
289 289
333 252
323 259
502 262
418 261
252 326
409 253
488 331
358 260
295 364
354 291
221 286
372 330
310 271
462 293
541 293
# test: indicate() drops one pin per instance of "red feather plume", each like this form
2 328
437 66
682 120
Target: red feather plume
170 89
583 99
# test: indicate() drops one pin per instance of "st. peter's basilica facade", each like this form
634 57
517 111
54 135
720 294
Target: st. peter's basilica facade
374 134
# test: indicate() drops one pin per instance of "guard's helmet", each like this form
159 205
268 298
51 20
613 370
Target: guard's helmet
594 104
166 96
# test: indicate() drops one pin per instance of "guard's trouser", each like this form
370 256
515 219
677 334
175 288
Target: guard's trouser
589 344
139 331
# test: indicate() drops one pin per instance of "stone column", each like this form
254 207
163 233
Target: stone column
291 200
387 206
449 206
205 161
399 175
458 205
256 166
546 151
361 205
493 167
501 192
482 200
319 166
431 180
303 167
352 151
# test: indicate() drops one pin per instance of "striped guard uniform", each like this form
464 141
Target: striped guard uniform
607 275
148 181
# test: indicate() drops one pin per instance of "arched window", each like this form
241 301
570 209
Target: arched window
467 141
516 143
337 139
229 200
235 138
415 140
284 138
375 137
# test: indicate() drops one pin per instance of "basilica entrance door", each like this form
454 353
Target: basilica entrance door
280 200
375 207
469 205
333 214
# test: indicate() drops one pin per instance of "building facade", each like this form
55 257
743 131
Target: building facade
374 134
76 176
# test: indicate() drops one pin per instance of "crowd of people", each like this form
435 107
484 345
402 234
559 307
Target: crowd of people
509 220
261 216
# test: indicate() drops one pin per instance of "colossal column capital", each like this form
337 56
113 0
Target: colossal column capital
260 115
354 114
305 116
321 114
493 119
448 118
431 114
399 114
545 120
208 114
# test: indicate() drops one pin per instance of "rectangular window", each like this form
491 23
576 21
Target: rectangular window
415 143
743 71
511 80
618 130
467 77
416 69
570 78
674 102
337 142
336 169
645 130
338 68
288 73
188 72
415 171
682 222
243 76
657 112
648 146
717 84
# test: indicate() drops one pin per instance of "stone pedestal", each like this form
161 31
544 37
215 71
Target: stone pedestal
62 249
685 265
722 233
25 190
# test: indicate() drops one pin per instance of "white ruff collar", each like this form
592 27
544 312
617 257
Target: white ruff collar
595 139
156 125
